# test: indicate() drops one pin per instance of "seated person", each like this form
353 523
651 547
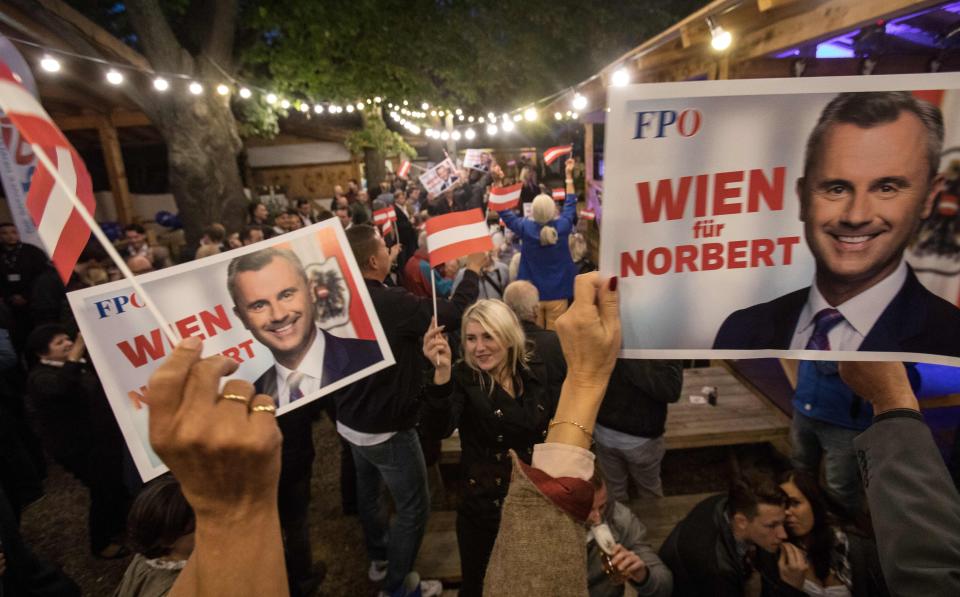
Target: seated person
629 556
161 531
729 544
842 562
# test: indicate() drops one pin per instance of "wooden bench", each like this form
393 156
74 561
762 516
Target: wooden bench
741 416
439 557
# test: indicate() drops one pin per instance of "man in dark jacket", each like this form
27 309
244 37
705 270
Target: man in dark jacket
630 425
734 544
377 414
523 299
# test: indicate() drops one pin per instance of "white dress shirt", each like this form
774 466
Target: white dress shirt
860 313
312 368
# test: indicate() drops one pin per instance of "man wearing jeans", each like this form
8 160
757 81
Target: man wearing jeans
378 414
630 425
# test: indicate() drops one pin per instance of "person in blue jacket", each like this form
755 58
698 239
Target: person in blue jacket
545 253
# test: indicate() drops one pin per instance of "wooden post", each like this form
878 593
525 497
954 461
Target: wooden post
116 171
723 68
587 154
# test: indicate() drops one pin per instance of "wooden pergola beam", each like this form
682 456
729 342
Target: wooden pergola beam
116 119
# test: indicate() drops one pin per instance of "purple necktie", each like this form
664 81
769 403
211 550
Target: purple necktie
824 321
294 382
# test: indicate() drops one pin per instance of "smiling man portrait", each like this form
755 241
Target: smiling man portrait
869 180
272 297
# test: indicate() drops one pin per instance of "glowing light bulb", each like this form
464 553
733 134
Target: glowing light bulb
424 106
507 125
455 135
579 102
245 93
620 78
444 135
530 114
161 84
222 89
491 129
195 88
284 103
318 108
360 106
470 134
517 118
271 98
50 64
377 99
304 108
114 77
558 115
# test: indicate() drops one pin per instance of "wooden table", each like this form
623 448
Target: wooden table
741 416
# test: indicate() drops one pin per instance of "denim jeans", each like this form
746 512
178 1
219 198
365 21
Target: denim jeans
640 464
397 462
815 441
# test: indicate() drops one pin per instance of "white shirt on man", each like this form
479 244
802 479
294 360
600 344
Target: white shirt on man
860 313
312 368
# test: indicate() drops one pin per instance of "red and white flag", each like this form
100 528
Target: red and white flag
587 214
502 198
559 195
404 169
551 155
385 218
457 234
59 224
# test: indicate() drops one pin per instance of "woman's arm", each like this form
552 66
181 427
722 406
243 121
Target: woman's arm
227 458
442 400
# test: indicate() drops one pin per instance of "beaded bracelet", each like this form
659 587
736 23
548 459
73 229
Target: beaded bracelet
575 424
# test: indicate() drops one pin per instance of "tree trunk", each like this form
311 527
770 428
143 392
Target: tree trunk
375 170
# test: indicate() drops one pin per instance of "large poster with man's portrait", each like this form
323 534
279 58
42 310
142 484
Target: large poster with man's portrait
293 311
794 218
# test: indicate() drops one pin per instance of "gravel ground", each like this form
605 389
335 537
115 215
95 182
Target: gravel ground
56 526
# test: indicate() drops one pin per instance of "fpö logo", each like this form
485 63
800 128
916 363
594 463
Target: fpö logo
656 124
117 305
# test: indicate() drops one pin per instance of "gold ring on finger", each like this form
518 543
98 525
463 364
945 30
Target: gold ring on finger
264 408
236 397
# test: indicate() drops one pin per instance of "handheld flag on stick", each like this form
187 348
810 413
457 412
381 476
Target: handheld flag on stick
559 195
551 154
61 194
404 169
457 234
384 218
502 198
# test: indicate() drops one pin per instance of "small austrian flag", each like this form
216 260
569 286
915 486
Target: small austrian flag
551 155
502 198
587 214
457 234
404 169
385 218
559 195
60 226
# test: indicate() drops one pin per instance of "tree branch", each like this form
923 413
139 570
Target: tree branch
220 30
159 42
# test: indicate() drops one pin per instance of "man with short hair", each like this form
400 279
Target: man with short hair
136 237
251 234
378 414
274 299
734 544
869 179
523 299
632 557
21 265
305 212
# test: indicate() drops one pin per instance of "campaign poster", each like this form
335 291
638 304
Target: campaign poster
440 178
293 311
478 159
780 217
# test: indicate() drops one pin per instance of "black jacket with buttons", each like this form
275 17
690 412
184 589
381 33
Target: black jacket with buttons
491 424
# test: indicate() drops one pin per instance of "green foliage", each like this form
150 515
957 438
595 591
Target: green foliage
375 135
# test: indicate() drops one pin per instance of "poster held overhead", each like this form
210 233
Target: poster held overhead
440 178
757 206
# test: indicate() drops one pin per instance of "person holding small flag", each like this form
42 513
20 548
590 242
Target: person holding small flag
378 414
545 256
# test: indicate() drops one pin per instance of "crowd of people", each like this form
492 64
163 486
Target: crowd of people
520 361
